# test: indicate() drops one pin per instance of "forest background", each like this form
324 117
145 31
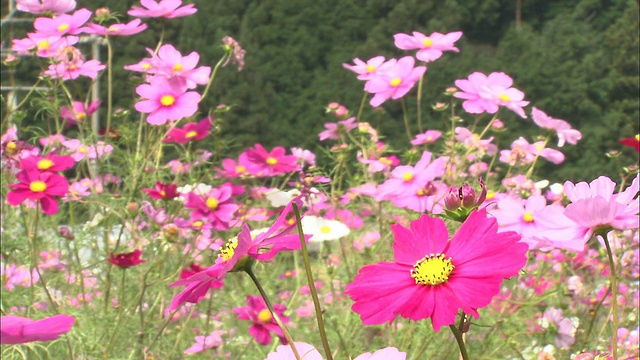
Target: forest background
575 60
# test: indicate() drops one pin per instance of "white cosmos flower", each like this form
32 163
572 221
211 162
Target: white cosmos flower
279 198
323 229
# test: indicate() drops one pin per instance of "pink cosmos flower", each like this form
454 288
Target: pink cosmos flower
263 322
232 169
429 47
125 260
80 151
63 24
262 247
191 131
562 128
165 101
15 275
66 70
131 28
20 330
46 46
79 111
39 6
308 352
432 277
595 206
217 205
40 186
163 191
430 136
168 9
203 343
367 71
483 93
47 163
271 163
565 327
170 63
334 130
472 140
523 153
407 180
395 82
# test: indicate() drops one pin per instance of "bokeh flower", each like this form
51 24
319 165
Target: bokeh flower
20 330
263 322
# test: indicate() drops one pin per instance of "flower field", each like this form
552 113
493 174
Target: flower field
134 233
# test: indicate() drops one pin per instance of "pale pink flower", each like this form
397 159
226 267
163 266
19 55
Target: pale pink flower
168 9
487 93
78 112
46 45
429 47
367 70
70 70
334 130
523 153
407 180
164 101
238 52
594 205
473 140
428 137
395 82
562 128
565 327
15 275
366 240
131 28
40 6
203 343
170 63
63 24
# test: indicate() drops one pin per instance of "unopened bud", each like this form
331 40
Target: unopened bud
132 208
103 12
66 233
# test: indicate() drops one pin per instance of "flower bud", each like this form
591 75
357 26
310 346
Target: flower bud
66 233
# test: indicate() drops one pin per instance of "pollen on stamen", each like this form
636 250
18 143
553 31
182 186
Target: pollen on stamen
395 82
432 270
408 176
370 68
504 97
527 217
427 42
44 164
167 100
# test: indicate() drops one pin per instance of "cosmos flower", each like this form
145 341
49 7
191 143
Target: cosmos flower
395 82
20 330
308 352
40 6
263 322
482 93
125 260
63 24
40 186
164 101
429 47
191 131
131 28
433 277
562 128
168 9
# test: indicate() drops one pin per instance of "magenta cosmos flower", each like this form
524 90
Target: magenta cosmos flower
163 191
308 352
271 163
20 330
633 142
217 205
166 101
191 131
262 247
263 322
484 93
165 8
79 111
395 82
432 277
595 206
47 163
429 47
125 260
40 186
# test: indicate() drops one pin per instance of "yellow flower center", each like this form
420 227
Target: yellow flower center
272 160
43 45
63 27
264 316
395 82
212 203
11 148
191 134
370 68
37 186
44 164
163 193
420 192
385 161
408 176
325 229
432 270
240 169
81 115
113 28
490 195
83 150
527 217
146 66
197 223
167 100
638 137
177 67
427 42
227 252
504 97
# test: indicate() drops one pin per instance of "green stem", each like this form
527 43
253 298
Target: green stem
458 336
109 84
419 108
213 74
405 115
614 296
364 99
312 286
284 329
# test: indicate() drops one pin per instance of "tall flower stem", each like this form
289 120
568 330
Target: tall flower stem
419 108
312 286
284 329
364 99
614 297
405 115
213 74
460 340
109 84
